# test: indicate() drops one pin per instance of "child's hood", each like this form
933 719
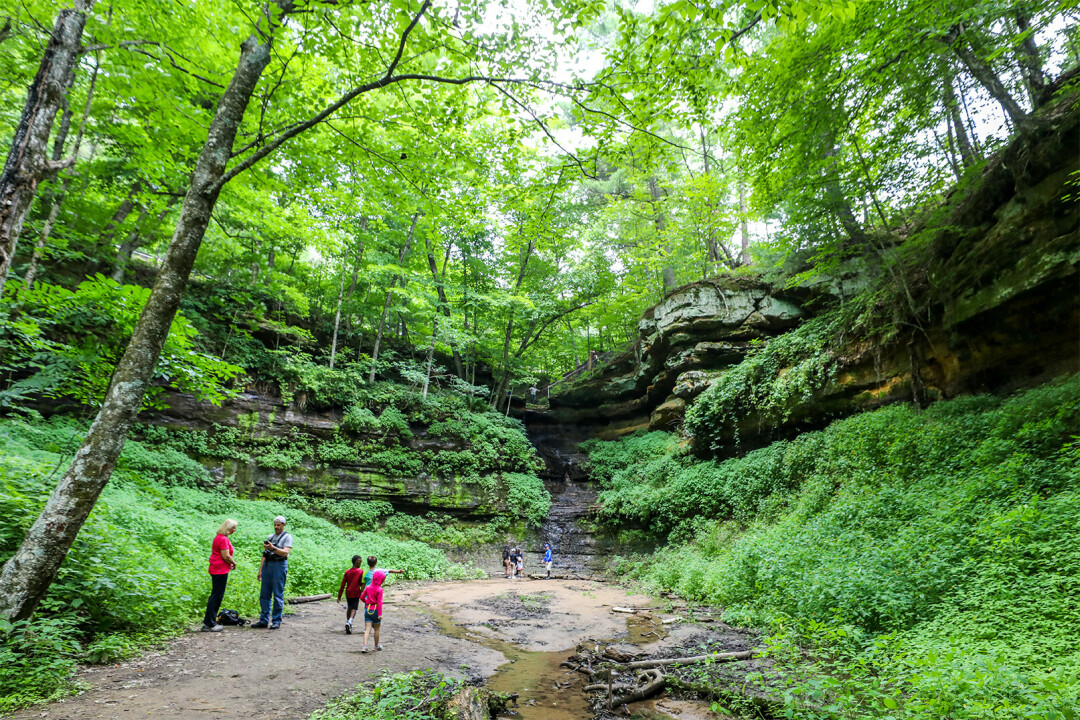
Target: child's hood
377 578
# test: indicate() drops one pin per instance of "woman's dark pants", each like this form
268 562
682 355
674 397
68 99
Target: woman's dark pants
217 594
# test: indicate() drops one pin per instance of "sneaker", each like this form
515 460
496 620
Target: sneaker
378 647
275 626
348 629
212 628
364 649
260 624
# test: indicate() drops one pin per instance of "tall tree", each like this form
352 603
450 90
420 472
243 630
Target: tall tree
28 163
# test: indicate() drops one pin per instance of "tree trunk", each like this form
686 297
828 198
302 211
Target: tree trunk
122 211
504 381
123 253
28 160
444 306
986 76
431 354
389 299
667 274
136 239
1030 64
58 198
948 147
337 312
968 156
839 201
27 575
744 228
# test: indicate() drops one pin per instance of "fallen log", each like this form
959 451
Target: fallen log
654 683
715 657
628 611
668 621
308 598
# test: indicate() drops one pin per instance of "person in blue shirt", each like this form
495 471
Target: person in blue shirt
547 560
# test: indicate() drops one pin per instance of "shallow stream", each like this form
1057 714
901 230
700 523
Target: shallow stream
547 690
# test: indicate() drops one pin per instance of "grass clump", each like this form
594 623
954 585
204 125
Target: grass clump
925 562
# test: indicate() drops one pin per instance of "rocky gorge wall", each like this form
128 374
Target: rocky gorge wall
262 419
998 284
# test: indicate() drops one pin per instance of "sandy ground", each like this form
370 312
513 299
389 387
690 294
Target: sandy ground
513 633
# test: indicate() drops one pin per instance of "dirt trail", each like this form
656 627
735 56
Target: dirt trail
465 629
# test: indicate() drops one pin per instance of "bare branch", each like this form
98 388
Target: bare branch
547 132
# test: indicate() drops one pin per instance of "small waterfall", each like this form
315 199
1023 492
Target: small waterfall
568 526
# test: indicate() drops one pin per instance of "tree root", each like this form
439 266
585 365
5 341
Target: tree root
654 683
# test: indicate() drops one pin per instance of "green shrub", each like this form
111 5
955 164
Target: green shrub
393 423
359 419
527 497
776 378
931 552
418 695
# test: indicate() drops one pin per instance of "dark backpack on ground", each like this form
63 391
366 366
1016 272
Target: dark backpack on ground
230 617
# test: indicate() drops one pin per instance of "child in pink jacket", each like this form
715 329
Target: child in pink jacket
372 600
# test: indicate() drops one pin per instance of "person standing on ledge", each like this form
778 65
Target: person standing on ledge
272 572
547 560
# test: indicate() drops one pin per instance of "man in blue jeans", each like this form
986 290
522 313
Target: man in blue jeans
272 572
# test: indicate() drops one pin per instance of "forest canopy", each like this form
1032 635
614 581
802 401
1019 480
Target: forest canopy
529 181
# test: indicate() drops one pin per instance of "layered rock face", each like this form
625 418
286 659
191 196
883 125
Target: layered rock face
685 343
259 417
998 284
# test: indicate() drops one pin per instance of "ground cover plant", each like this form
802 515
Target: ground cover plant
419 695
138 570
910 563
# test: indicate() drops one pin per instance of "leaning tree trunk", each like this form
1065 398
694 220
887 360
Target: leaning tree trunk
28 162
986 76
27 575
1030 64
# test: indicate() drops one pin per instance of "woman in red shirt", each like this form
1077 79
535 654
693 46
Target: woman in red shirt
221 562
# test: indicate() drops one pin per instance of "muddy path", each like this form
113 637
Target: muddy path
511 633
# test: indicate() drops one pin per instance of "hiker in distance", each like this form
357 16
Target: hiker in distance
547 560
272 572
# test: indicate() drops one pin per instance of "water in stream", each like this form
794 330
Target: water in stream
546 690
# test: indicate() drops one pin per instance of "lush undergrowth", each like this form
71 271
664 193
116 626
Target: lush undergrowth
419 695
927 561
138 570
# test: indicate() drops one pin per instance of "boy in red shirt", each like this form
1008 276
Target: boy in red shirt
372 598
350 585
